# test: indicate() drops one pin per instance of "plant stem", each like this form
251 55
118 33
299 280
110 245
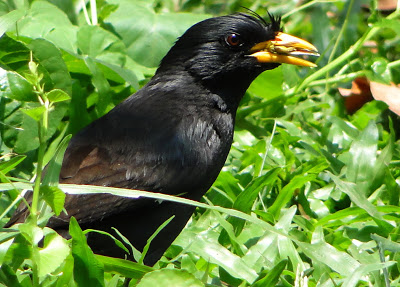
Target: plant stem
372 31
42 127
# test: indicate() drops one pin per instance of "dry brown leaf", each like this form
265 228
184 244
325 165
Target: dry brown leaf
387 5
357 96
387 94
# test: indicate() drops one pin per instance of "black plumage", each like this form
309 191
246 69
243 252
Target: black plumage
172 136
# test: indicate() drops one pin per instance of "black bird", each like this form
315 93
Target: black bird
173 135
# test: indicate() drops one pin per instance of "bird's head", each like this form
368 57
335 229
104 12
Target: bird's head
235 49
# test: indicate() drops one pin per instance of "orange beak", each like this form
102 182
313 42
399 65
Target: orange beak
284 49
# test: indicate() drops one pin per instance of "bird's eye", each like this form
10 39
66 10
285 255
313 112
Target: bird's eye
233 40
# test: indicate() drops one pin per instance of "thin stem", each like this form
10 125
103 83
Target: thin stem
340 36
42 127
394 64
337 79
93 12
302 7
85 13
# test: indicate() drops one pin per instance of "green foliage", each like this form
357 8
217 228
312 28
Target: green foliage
309 195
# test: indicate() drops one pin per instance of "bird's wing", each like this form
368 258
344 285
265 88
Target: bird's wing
136 156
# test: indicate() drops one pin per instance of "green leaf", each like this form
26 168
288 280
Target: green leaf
8 276
270 278
54 197
31 232
356 196
357 275
323 252
50 58
268 85
88 271
124 267
381 71
54 166
363 153
44 20
286 194
148 46
53 253
246 198
14 86
8 165
35 113
206 246
109 52
103 87
116 241
94 42
170 277
57 95
148 243
386 244
9 19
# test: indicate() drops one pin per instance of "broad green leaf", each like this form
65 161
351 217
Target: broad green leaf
108 50
363 153
268 85
54 197
35 113
57 95
325 253
147 46
208 248
53 253
27 134
13 53
14 86
50 58
170 277
88 271
44 20
32 233
9 19
94 42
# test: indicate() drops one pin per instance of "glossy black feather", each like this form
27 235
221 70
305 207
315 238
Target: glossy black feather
172 136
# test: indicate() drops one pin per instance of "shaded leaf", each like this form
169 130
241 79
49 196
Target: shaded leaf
88 271
14 86
54 197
